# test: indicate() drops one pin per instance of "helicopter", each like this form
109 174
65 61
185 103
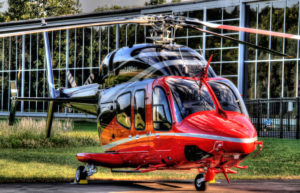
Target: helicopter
159 106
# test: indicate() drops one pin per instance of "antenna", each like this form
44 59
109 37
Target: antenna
204 74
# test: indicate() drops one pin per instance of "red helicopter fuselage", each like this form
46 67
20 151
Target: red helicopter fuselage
164 108
214 139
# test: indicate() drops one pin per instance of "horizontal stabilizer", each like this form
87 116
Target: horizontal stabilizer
85 91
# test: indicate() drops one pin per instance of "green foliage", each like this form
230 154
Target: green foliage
155 2
115 7
30 9
176 1
29 133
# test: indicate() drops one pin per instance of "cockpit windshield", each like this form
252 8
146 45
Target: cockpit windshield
189 97
225 96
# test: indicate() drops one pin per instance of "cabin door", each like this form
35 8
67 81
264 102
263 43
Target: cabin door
140 129
162 124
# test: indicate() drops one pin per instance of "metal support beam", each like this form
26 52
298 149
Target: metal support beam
283 51
67 62
2 81
241 49
117 36
135 33
67 58
297 65
23 72
204 34
298 118
91 49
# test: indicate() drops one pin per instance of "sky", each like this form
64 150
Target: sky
90 5
4 5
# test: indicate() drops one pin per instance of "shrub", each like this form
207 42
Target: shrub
30 133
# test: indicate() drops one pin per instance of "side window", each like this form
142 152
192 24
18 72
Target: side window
161 112
139 110
107 114
124 110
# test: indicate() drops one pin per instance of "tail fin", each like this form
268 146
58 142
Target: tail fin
51 87
52 94
50 78
90 79
71 79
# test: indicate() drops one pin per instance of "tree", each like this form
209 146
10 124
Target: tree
30 9
155 2
115 7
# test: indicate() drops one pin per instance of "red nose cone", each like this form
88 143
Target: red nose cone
235 130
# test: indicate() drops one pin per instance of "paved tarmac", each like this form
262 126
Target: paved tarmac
238 186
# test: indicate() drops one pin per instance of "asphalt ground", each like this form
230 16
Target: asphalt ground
221 186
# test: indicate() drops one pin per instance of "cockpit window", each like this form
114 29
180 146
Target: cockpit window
190 97
225 96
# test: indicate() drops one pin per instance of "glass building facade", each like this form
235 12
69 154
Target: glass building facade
80 51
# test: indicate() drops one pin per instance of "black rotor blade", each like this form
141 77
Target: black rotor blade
193 21
240 41
47 28
59 100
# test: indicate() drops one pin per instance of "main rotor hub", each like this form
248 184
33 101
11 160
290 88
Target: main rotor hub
163 27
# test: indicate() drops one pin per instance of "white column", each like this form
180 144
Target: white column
241 49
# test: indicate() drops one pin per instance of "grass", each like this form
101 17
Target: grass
280 159
30 133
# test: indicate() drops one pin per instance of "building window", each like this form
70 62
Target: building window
139 110
161 112
124 110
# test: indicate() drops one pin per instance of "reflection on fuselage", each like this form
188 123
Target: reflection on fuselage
147 61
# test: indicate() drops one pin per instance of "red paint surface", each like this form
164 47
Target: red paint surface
169 150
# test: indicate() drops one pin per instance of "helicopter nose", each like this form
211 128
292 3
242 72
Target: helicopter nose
235 132
240 131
